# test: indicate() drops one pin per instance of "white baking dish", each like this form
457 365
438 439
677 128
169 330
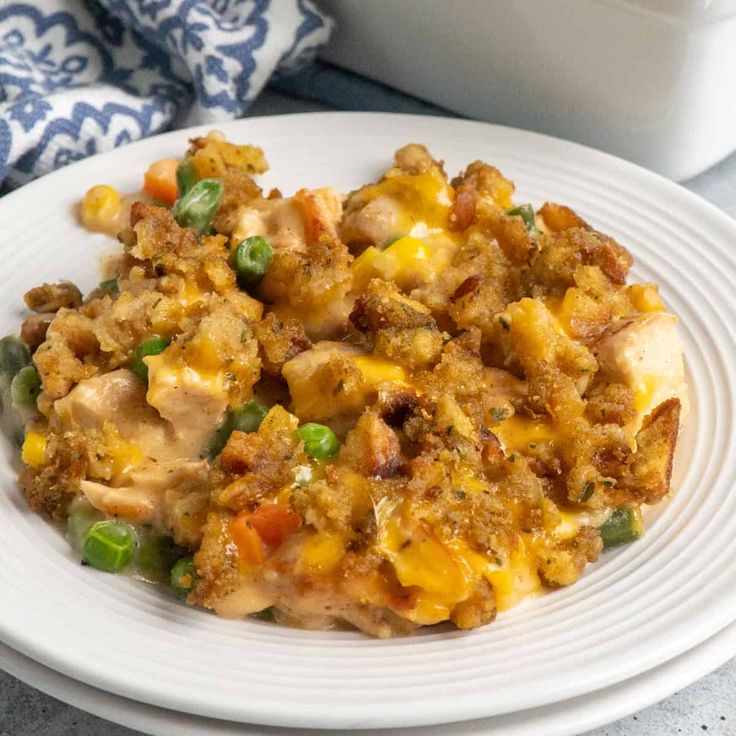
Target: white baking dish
653 81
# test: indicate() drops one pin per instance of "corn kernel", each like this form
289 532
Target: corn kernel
502 193
34 449
645 298
363 268
101 208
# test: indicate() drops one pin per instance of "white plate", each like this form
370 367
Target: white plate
566 718
635 610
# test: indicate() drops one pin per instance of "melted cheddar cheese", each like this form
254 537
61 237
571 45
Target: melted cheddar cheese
517 433
424 200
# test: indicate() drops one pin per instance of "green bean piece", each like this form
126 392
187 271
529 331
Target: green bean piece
221 436
108 545
391 241
246 418
251 258
198 206
267 614
526 212
25 387
14 355
183 576
586 492
623 526
320 441
186 176
110 285
154 345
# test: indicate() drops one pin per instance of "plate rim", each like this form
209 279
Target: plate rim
607 706
716 215
204 127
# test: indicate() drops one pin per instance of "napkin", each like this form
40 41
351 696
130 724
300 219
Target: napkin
78 77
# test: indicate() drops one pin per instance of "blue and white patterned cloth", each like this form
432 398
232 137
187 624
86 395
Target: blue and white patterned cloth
78 77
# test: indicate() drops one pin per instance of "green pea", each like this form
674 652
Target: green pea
16 435
186 176
526 212
183 576
108 545
246 418
25 387
11 421
251 258
320 441
623 526
82 514
155 556
14 355
154 345
197 207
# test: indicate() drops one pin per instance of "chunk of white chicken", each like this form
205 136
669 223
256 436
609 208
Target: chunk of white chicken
156 478
413 201
374 223
193 402
334 379
173 419
155 493
503 385
119 398
290 223
303 226
646 354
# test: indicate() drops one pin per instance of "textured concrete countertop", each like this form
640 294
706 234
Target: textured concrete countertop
707 707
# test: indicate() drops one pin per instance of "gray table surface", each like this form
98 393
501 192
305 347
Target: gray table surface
707 707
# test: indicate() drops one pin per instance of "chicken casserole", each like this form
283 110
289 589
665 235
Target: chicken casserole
416 403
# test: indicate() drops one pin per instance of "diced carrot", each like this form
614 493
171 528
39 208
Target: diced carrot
273 522
160 180
250 545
